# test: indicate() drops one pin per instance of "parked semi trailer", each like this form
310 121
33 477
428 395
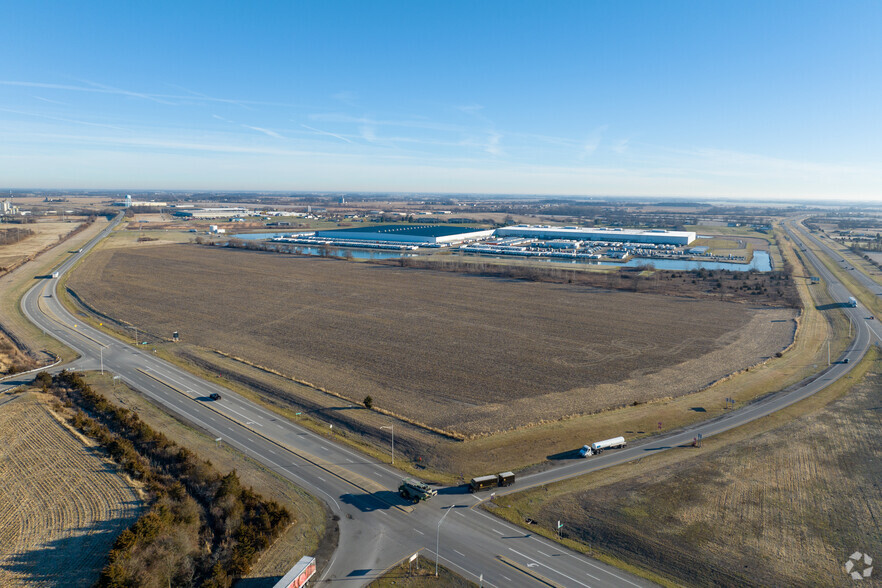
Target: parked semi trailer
415 491
598 447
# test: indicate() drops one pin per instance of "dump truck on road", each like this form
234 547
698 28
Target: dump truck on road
415 491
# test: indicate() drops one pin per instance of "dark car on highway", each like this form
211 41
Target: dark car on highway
214 396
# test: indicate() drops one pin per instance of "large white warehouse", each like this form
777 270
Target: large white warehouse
658 236
428 234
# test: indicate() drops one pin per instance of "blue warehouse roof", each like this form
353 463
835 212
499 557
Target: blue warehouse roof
415 230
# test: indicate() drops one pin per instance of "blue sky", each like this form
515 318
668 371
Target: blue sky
731 99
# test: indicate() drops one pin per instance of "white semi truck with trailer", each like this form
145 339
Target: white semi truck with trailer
852 301
598 447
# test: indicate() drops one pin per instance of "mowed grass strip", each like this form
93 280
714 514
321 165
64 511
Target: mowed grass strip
456 352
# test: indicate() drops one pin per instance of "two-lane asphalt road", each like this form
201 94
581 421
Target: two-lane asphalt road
376 527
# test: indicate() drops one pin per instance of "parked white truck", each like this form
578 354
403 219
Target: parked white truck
598 447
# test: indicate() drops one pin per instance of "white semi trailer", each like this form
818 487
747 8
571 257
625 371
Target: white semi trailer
852 302
598 447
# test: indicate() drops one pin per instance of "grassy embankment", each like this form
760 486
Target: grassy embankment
782 500
15 284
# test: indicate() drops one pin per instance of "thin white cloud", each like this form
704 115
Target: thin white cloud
268 132
321 132
42 99
112 90
621 146
219 117
471 108
368 133
161 98
62 119
492 145
347 97
593 140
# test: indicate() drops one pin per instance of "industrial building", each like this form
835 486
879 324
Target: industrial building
416 234
615 235
210 213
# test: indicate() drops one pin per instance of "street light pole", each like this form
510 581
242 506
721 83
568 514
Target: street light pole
438 539
101 354
392 428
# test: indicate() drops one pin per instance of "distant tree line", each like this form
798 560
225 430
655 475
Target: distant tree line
14 235
201 528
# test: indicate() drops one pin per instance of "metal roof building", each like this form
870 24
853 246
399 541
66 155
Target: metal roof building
657 236
429 234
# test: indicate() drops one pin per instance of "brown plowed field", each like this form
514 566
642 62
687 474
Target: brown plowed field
61 505
463 353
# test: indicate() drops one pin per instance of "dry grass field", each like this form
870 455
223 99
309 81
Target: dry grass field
783 503
61 505
46 234
466 354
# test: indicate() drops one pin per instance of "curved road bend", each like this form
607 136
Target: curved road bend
376 527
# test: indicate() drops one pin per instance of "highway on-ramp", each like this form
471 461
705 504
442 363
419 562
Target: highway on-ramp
377 528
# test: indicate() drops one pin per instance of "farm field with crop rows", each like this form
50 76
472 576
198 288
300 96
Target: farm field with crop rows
61 504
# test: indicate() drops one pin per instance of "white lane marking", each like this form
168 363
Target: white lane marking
462 554
554 570
454 564
271 451
418 531
383 512
349 460
507 579
497 532
322 479
543 554
583 559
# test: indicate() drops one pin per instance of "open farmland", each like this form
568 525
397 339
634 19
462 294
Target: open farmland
61 505
783 501
460 353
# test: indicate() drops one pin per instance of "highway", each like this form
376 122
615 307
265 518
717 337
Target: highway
377 528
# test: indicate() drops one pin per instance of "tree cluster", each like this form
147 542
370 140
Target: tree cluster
202 528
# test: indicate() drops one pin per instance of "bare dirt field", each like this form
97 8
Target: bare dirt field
61 505
460 353
46 234
782 506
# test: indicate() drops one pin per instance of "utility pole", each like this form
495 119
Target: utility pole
828 353
437 539
101 354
